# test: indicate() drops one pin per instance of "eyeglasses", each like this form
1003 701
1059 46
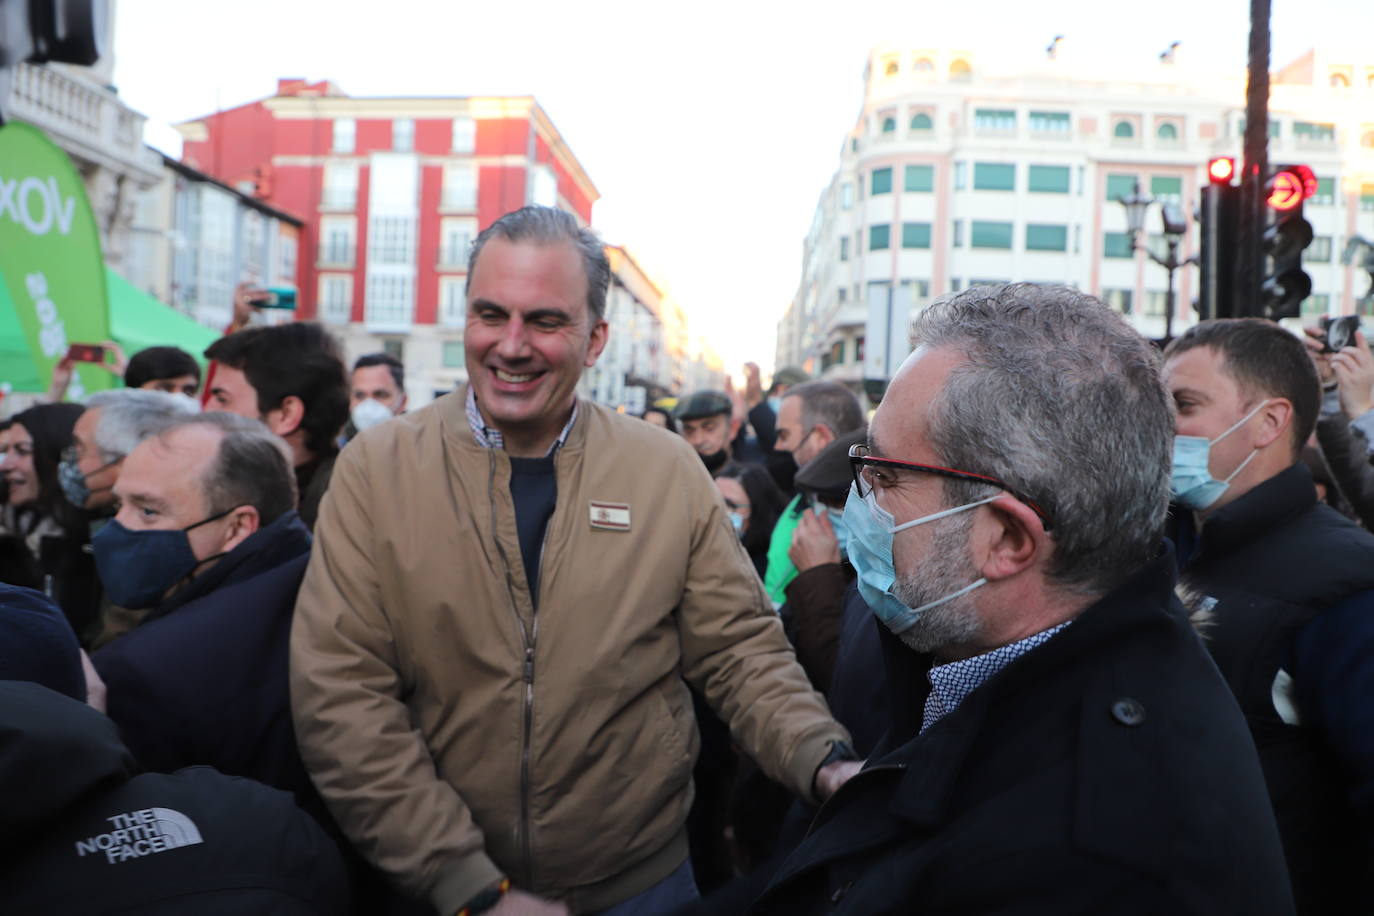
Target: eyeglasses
864 467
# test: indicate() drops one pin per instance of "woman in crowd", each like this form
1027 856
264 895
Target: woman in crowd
44 539
755 503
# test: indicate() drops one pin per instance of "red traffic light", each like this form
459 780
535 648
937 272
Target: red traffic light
1308 179
1286 190
1221 170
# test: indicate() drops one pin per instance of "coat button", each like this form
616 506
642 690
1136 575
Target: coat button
1128 712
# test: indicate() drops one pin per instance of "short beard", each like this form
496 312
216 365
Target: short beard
947 569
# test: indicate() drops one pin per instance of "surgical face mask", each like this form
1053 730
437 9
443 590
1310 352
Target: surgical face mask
1191 479
738 521
73 482
841 530
871 528
138 567
369 413
775 404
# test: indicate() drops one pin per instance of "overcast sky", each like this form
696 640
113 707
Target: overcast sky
709 127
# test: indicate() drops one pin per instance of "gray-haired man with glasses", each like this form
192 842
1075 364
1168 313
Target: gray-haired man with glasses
1060 740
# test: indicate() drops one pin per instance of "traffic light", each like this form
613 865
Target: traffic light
1286 236
1219 214
37 31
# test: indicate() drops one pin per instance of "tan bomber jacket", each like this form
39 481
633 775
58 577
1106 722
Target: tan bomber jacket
457 735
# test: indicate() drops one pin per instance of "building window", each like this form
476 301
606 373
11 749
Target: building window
914 290
1308 132
846 196
1317 305
879 237
960 176
1046 237
455 240
454 357
464 135
1274 128
919 178
391 240
460 186
960 71
403 135
1048 179
994 176
339 242
452 301
1050 122
1124 130
340 186
1116 245
1119 186
1319 251
336 298
881 182
926 65
390 299
394 346
922 121
1156 303
1367 139
1118 299
345 135
1340 81
889 125
1167 189
994 120
1167 131
844 248
957 233
286 258
890 68
988 234
1367 199
1326 192
543 186
842 294
915 235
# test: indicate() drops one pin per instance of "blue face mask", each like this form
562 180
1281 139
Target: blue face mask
871 528
1191 480
138 567
738 521
841 530
776 404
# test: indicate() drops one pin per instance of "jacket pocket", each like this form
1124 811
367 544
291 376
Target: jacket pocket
675 727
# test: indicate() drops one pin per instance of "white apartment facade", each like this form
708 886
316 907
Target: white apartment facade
953 177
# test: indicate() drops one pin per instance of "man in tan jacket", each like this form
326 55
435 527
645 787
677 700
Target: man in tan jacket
507 590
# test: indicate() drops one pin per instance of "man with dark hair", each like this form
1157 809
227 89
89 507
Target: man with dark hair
169 369
1059 742
810 417
1288 584
208 538
291 377
506 594
378 390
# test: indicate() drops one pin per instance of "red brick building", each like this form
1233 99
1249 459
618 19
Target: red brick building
391 192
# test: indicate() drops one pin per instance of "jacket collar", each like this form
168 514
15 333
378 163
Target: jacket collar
458 430
933 761
1268 505
264 550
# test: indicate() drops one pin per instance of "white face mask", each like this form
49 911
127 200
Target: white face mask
369 413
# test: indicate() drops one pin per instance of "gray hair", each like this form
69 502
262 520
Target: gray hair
251 468
1061 400
548 226
130 415
829 404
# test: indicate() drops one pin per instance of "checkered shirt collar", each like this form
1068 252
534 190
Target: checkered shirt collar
951 684
488 437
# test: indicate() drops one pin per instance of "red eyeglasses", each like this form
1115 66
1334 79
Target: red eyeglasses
862 465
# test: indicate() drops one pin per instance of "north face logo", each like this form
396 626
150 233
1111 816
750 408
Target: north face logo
142 833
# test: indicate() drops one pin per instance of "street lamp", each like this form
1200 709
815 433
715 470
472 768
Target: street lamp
1137 204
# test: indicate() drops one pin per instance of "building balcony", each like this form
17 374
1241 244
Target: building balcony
86 120
458 202
336 256
339 199
453 257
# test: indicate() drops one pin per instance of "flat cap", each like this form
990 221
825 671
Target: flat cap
790 375
703 404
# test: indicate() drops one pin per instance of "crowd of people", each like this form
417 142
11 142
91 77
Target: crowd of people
1067 625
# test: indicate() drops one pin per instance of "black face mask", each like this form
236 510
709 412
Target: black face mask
715 461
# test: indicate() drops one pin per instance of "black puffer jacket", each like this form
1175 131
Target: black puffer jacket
82 835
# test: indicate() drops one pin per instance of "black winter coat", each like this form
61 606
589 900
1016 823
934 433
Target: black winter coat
203 679
1106 771
81 834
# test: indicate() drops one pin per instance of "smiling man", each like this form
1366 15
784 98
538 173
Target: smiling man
507 590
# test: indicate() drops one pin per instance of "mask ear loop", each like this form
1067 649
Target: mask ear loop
939 515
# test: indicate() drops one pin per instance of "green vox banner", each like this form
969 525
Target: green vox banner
50 257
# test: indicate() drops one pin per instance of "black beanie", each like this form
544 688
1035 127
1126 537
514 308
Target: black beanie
37 644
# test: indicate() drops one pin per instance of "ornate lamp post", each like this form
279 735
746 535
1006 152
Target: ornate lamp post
1137 204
